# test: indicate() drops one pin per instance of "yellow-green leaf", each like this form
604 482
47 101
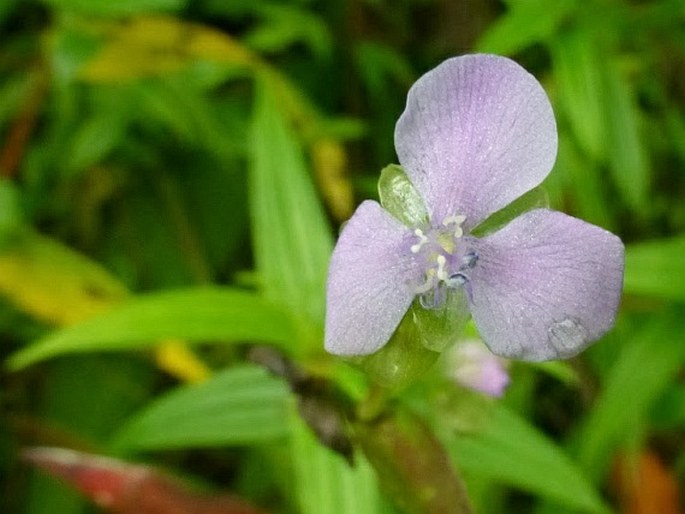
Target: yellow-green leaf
209 314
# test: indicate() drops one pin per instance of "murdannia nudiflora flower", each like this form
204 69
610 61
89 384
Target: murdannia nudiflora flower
478 132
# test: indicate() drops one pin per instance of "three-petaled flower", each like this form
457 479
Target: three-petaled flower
478 132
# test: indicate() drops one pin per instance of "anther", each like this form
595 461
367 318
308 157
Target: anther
456 280
457 221
422 241
470 259
441 273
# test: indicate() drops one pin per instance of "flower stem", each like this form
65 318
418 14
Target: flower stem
412 465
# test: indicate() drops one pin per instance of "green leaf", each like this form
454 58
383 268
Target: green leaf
285 25
627 155
6 9
324 483
239 406
203 314
291 238
93 141
578 64
582 177
87 398
602 110
11 214
379 63
180 103
656 268
527 22
647 363
13 92
53 282
118 7
512 451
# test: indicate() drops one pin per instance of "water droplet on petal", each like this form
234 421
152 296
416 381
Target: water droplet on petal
567 336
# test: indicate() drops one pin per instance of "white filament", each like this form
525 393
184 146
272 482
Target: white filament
422 241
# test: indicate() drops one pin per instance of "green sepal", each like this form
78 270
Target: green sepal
400 198
417 343
402 360
438 329
534 199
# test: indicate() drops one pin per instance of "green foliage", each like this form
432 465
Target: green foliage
196 315
647 363
512 451
324 483
524 24
292 243
656 268
172 175
10 212
119 8
238 406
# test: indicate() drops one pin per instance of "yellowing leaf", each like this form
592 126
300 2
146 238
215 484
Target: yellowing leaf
176 358
60 286
156 45
54 283
330 162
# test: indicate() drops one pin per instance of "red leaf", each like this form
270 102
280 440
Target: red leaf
124 488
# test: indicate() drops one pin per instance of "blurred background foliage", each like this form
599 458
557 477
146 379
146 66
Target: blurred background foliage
174 173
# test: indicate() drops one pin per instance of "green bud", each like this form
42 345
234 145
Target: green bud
402 360
399 197
438 329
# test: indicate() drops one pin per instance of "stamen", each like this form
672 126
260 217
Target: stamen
441 273
422 241
428 284
433 299
457 221
427 301
470 259
456 280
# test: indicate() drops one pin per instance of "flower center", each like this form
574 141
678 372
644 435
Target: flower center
447 260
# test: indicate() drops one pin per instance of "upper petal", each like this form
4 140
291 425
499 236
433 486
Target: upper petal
369 282
546 286
478 131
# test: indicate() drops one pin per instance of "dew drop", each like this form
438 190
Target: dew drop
567 336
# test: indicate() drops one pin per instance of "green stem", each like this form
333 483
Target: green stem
412 465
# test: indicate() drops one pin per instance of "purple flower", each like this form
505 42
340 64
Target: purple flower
472 366
478 132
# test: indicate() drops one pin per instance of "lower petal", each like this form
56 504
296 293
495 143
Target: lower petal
546 286
369 282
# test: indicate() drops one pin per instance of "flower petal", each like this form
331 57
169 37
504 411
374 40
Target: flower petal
546 286
478 131
368 282
473 366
